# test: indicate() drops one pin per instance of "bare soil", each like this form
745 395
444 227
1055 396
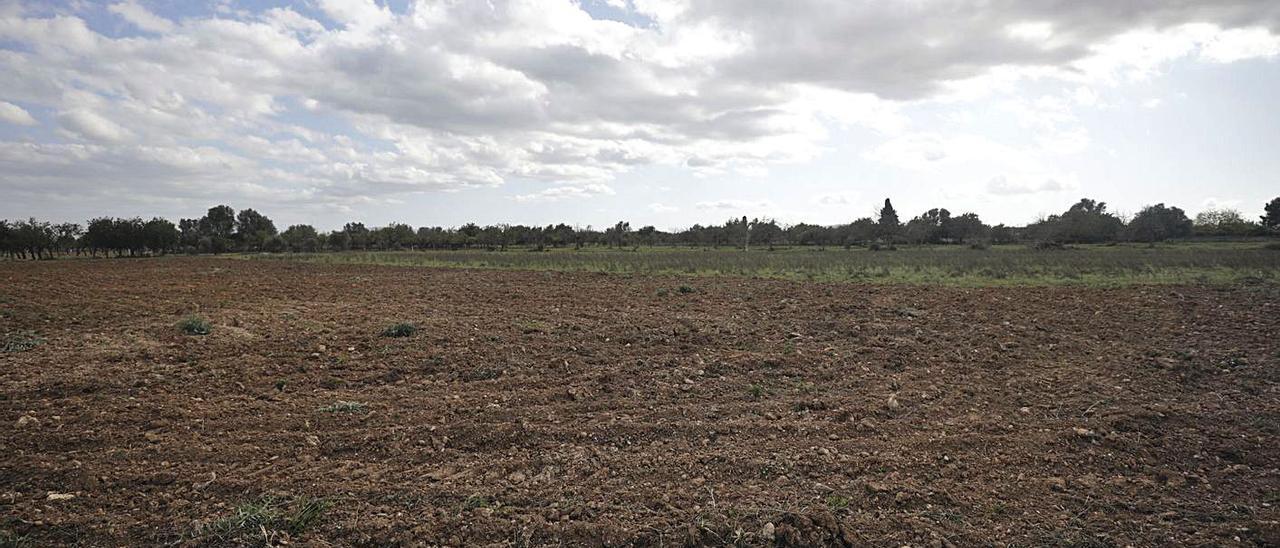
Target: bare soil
585 409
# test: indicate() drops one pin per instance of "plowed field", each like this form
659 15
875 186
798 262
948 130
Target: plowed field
586 409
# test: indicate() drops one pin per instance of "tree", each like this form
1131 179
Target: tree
217 228
765 232
1157 223
964 227
1223 222
160 235
33 238
254 229
189 232
928 227
1272 219
888 226
1085 222
357 236
68 236
647 235
617 235
301 238
219 221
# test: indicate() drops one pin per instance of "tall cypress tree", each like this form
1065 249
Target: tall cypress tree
889 226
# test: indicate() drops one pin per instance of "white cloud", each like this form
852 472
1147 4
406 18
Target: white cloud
562 192
1029 184
140 17
736 205
662 208
1233 45
16 115
90 125
836 199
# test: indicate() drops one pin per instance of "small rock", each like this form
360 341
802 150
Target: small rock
516 477
152 437
766 532
60 496
1058 484
28 420
1024 410
313 439
322 348
1084 432
877 487
893 402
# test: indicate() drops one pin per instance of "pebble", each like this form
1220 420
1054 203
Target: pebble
766 532
60 496
28 420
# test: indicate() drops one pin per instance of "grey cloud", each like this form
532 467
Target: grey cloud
468 94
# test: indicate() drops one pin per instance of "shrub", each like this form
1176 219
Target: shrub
400 330
684 290
20 341
195 325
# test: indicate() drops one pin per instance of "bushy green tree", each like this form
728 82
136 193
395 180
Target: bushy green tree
1224 222
159 235
1272 218
1157 223
301 238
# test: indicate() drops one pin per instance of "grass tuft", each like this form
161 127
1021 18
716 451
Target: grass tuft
20 341
345 407
266 521
195 325
400 330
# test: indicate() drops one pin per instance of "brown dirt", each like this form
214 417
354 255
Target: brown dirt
549 408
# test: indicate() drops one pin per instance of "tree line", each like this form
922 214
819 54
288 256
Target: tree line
222 229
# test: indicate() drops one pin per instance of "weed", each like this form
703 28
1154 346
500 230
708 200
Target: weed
400 330
20 341
476 501
265 521
345 407
755 391
837 502
10 539
533 326
685 290
195 325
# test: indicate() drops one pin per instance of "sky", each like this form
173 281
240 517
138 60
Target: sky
658 112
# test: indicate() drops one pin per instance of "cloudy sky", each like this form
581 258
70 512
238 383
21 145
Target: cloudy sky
664 112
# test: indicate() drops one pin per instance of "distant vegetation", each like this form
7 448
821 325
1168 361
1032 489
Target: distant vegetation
222 229
1082 264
